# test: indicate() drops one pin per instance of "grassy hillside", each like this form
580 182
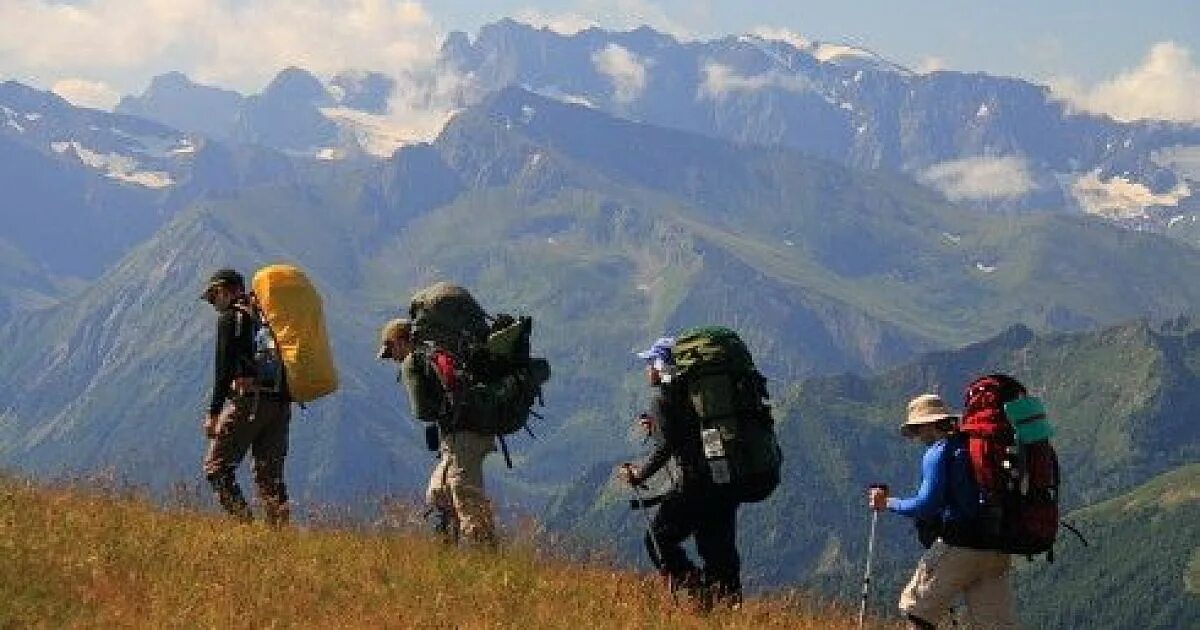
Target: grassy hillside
1142 570
97 559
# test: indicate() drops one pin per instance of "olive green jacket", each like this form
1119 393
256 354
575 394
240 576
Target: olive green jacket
425 397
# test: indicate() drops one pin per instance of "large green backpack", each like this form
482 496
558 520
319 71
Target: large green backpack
501 381
488 377
447 315
729 397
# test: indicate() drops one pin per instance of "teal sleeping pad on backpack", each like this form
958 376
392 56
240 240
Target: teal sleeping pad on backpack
1028 418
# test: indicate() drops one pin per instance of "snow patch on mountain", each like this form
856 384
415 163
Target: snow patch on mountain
843 55
980 178
377 135
11 119
115 166
825 52
1190 218
1121 198
154 146
721 80
793 39
327 154
554 93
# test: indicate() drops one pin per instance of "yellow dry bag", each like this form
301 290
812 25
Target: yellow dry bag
292 308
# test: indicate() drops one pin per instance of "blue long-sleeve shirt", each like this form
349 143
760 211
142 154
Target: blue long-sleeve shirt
948 492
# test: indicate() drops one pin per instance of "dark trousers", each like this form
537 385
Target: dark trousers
258 424
712 520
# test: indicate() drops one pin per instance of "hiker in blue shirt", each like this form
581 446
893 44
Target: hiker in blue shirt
945 510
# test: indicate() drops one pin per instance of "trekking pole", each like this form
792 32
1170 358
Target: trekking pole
866 583
637 496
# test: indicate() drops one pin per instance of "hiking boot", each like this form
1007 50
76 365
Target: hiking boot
230 496
697 595
729 600
278 515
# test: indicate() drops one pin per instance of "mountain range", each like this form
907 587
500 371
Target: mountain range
545 208
996 143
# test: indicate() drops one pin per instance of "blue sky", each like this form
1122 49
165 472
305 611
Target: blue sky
1123 58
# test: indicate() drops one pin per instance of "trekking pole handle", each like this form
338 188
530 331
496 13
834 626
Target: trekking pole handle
882 487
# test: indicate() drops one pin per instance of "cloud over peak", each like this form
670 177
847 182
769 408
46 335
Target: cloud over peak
721 80
1166 86
627 71
980 178
240 44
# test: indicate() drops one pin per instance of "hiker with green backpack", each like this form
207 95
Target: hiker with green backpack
711 418
472 383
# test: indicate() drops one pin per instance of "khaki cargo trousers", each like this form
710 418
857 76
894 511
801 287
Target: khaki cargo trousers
456 485
979 576
258 424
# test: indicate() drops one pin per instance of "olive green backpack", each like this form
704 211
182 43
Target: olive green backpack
729 397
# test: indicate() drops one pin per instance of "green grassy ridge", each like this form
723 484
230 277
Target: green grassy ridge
1140 570
85 557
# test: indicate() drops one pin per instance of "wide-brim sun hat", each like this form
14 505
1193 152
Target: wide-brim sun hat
926 409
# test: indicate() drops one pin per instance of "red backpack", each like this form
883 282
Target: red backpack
1008 438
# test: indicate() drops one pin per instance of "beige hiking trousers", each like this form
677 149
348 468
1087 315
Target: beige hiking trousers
946 572
456 485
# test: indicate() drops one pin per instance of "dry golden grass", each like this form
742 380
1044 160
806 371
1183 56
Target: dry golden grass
83 559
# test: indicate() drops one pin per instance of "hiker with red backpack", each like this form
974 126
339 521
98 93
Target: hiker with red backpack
961 557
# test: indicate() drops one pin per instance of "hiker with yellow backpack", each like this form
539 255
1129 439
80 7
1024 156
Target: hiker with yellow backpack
271 350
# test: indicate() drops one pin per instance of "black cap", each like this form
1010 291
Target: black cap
220 278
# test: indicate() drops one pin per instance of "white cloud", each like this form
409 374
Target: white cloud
561 23
119 44
238 44
626 70
613 14
720 80
84 93
980 178
796 40
1120 198
930 64
1165 86
831 52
